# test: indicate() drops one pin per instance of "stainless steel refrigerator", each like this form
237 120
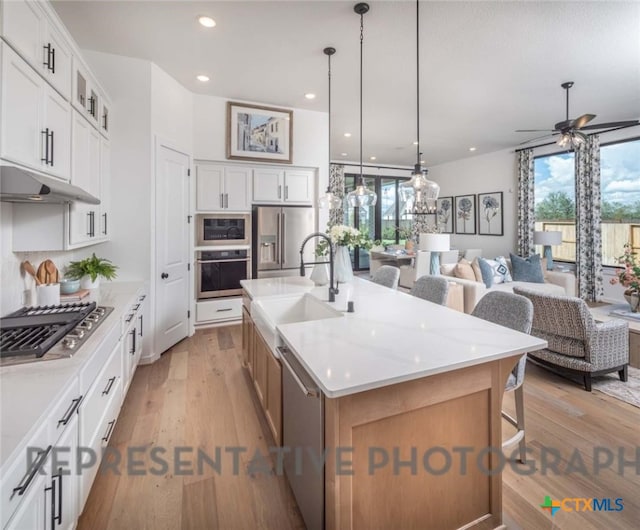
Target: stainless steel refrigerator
278 232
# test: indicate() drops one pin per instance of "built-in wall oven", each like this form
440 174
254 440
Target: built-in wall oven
219 272
215 229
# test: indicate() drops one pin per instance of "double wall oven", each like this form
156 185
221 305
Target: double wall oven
224 255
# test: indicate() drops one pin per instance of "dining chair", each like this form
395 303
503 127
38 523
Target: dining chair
387 275
431 288
516 312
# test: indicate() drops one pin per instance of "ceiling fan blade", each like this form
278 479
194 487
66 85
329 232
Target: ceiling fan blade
537 138
580 122
535 130
611 124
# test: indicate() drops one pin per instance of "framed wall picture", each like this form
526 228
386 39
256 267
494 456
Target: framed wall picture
444 214
465 212
490 214
259 133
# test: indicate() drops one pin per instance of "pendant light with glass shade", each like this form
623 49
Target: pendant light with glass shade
419 189
362 196
329 200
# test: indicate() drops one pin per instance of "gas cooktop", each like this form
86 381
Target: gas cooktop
48 332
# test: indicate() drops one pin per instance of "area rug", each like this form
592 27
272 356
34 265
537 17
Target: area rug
611 385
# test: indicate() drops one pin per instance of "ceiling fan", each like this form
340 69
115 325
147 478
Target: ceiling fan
570 130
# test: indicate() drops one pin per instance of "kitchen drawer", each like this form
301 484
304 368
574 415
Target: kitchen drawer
17 475
92 367
65 407
219 310
97 442
101 393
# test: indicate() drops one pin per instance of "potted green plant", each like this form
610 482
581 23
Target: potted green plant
89 271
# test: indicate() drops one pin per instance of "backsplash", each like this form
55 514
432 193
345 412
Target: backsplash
12 282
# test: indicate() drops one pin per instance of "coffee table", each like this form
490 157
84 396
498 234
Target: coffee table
603 313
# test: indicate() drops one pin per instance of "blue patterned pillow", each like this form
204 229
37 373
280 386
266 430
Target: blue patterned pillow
527 269
494 270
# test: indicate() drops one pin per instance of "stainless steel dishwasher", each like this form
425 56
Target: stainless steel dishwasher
303 433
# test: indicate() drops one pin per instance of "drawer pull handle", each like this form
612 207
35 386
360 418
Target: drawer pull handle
129 318
106 391
109 430
135 307
70 411
31 472
222 310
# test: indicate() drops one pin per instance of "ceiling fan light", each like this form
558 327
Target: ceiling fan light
578 139
564 140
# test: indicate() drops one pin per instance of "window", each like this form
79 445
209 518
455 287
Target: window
380 222
620 189
555 201
620 182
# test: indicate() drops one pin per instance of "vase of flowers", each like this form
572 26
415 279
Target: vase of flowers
343 238
629 277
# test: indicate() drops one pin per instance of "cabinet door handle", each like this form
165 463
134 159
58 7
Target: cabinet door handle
109 430
105 224
223 310
286 192
75 403
129 318
51 136
45 134
132 351
56 518
50 58
226 200
140 318
31 472
104 122
106 391
279 191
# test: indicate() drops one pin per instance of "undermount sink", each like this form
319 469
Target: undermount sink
267 313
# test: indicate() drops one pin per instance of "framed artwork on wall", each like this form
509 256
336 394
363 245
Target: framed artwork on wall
465 212
444 214
259 133
490 214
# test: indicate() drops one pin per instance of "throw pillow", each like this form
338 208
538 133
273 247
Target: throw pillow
447 269
487 272
527 269
499 270
463 270
476 269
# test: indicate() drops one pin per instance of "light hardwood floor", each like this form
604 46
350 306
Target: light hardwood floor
198 395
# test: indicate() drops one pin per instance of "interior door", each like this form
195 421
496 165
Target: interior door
172 247
296 223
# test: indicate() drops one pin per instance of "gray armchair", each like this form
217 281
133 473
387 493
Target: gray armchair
578 344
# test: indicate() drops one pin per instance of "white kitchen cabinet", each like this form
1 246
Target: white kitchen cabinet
223 188
30 515
28 30
84 219
66 478
220 310
87 96
105 190
36 123
276 186
132 339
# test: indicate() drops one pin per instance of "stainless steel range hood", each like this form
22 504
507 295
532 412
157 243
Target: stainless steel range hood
21 185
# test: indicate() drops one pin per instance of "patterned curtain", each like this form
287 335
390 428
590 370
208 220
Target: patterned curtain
588 217
526 205
336 185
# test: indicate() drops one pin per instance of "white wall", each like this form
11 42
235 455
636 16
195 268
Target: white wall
483 174
310 142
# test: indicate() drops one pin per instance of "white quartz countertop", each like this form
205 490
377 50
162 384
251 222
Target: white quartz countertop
28 392
391 337
284 286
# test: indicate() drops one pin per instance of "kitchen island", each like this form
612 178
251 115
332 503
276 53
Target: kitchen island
412 395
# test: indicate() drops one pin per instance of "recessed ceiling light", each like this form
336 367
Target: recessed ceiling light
203 78
415 143
347 135
310 96
343 154
422 161
472 148
372 158
207 22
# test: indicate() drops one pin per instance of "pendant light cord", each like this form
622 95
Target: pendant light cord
361 41
329 136
417 82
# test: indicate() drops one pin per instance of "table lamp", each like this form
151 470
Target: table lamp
435 243
547 239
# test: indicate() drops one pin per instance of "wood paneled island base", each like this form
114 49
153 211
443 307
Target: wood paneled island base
418 454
